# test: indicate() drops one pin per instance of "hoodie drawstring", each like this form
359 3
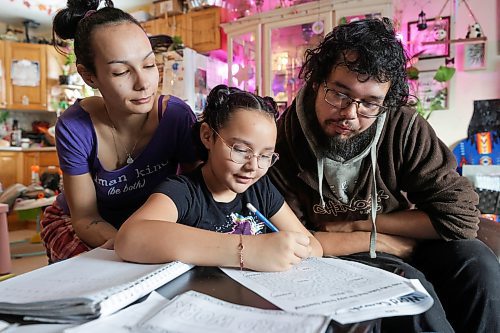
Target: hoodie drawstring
373 233
321 164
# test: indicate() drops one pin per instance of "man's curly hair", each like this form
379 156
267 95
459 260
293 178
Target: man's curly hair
380 55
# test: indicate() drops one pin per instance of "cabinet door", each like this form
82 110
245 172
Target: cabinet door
10 168
177 26
205 31
23 59
44 159
244 58
29 159
3 86
285 42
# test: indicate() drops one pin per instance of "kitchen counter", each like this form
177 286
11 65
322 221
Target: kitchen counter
27 149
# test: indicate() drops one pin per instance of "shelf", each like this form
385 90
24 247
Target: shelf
458 41
70 86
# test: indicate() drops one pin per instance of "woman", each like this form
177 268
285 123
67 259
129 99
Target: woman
112 149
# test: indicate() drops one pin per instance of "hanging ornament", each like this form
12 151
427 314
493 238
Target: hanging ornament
422 22
307 31
318 27
439 30
243 74
258 5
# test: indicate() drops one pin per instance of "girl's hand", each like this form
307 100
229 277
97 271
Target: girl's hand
277 251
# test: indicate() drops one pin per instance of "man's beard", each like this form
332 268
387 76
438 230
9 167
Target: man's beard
343 149
336 148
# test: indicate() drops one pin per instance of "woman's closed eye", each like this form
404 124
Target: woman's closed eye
121 73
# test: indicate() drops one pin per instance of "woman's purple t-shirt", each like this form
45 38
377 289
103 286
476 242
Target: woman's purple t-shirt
120 192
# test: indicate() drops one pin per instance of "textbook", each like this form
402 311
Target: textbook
93 284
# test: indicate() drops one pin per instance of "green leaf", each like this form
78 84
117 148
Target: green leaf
3 116
444 73
412 73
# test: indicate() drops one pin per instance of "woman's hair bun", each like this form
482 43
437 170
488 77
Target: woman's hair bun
66 20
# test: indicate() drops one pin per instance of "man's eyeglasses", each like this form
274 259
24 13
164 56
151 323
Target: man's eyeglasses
242 154
341 101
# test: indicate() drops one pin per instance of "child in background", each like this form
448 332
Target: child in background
202 218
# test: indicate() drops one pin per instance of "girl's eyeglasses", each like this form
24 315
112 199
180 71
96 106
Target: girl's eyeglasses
242 154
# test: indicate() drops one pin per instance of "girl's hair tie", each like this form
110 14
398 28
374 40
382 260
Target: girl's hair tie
89 13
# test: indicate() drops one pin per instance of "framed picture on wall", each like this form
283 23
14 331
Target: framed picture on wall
432 94
474 56
431 42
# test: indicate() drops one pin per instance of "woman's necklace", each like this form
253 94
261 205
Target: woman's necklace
129 159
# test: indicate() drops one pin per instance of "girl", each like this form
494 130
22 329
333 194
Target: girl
113 150
200 218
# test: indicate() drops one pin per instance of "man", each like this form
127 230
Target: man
349 140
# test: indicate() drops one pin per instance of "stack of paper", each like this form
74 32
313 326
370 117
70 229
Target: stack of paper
91 285
193 312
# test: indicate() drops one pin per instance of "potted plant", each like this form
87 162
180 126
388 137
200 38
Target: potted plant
69 62
431 102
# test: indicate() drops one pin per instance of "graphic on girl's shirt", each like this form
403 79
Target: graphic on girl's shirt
245 225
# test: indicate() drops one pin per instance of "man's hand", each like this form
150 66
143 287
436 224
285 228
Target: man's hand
339 226
399 246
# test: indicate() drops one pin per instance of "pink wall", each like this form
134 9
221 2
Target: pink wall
466 86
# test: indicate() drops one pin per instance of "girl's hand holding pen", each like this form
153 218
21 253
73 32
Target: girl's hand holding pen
277 251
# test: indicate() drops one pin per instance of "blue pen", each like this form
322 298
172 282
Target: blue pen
262 217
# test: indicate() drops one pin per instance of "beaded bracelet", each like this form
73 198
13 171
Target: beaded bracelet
240 250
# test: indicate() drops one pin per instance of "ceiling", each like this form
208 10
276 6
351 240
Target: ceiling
16 11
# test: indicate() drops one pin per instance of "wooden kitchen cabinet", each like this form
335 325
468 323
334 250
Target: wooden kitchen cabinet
43 159
10 168
15 166
199 30
21 97
176 25
3 87
154 27
204 27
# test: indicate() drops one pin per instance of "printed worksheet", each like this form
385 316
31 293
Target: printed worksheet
346 291
194 312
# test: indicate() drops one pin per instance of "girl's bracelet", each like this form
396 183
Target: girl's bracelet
240 251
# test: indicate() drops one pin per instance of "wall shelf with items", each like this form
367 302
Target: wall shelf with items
458 41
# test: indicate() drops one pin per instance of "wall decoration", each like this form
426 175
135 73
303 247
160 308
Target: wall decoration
25 73
474 56
432 94
431 42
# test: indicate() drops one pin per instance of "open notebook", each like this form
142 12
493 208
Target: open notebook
94 284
